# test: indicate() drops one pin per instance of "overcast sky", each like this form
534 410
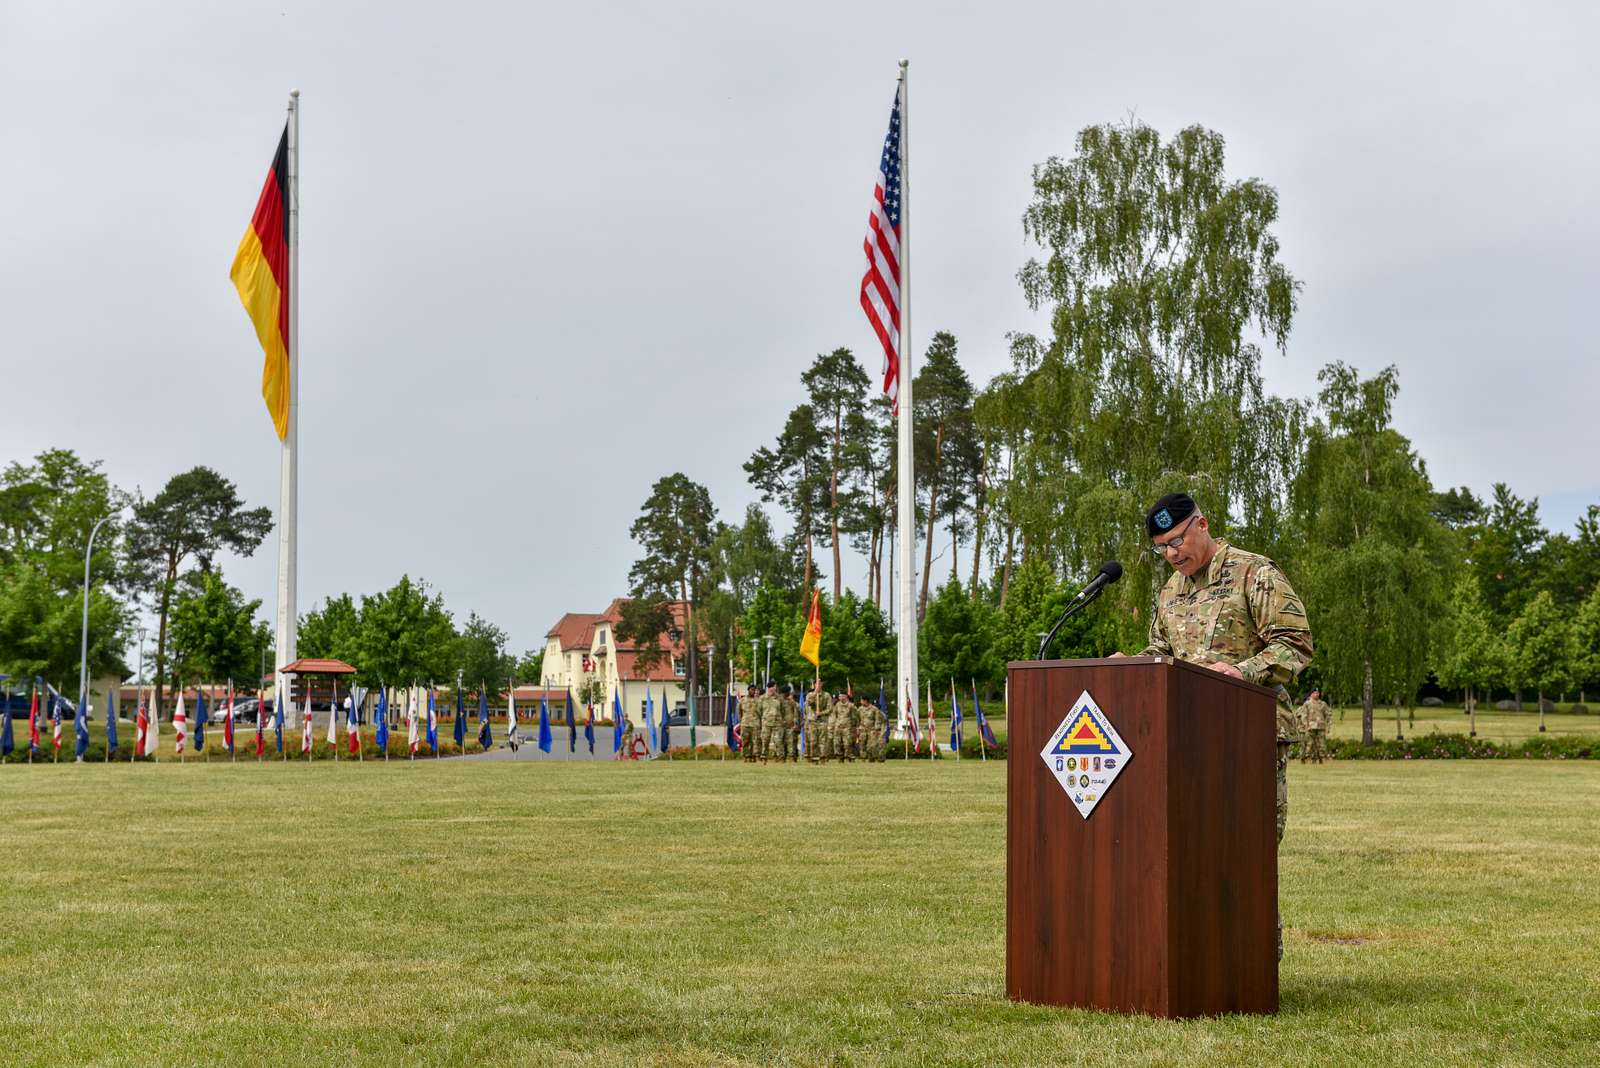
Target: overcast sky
536 236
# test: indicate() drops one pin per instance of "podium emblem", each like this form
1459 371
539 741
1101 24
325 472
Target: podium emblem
1086 740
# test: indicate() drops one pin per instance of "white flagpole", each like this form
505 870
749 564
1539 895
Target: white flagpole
289 469
907 502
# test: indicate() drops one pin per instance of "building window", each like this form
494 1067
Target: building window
678 668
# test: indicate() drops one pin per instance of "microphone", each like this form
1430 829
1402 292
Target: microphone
1110 571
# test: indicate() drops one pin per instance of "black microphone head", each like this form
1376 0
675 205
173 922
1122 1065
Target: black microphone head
1112 570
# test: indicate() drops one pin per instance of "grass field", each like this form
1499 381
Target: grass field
1494 725
461 913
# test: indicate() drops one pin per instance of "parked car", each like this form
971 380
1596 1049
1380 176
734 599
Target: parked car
244 710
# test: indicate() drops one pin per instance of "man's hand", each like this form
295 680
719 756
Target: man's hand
1229 670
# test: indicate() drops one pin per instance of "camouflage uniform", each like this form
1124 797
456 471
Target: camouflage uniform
1315 715
749 725
816 720
1242 611
845 721
872 725
790 737
771 740
627 736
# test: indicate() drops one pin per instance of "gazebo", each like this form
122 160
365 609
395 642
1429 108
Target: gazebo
311 666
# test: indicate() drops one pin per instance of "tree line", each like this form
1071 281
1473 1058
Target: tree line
162 554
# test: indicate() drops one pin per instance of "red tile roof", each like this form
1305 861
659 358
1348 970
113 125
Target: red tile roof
575 630
317 666
661 671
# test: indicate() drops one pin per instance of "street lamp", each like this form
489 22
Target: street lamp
772 640
139 677
83 635
755 657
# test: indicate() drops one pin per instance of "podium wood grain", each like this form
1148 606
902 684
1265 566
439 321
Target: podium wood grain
1164 900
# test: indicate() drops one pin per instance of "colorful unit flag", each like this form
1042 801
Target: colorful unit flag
180 726
199 720
260 273
152 738
277 720
7 741
141 729
351 727
666 725
80 726
572 724
811 641
382 717
227 720
261 726
544 724
111 725
33 720
411 721
485 735
733 722
306 740
55 722
616 721
880 286
913 743
984 730
955 720
511 715
588 728
433 720
933 727
883 706
461 720
651 735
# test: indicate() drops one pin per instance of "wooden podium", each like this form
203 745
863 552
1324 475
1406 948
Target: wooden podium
1164 899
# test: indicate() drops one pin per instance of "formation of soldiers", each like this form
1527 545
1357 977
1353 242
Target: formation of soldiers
831 727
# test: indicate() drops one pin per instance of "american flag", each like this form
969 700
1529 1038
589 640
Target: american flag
912 740
880 286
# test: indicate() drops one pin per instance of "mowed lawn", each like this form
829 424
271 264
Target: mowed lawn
1494 725
469 913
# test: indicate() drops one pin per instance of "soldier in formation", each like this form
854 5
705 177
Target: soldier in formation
834 726
1231 611
818 706
1315 715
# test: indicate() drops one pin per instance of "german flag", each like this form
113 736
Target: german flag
260 273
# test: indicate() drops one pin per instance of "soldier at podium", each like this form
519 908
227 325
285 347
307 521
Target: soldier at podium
1231 611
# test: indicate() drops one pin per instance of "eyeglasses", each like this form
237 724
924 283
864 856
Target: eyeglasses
1160 550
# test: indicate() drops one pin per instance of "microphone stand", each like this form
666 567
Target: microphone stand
1079 603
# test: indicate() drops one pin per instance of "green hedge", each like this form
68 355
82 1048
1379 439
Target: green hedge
1461 747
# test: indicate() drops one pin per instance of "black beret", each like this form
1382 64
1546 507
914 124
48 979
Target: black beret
786 689
1168 512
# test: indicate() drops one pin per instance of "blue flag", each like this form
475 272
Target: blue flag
277 720
111 726
199 720
7 743
544 724
651 736
955 720
461 721
985 731
433 720
666 725
80 724
485 737
616 721
733 722
588 729
572 724
381 735
802 731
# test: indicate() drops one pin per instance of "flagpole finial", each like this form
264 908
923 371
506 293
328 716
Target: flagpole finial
904 63
295 93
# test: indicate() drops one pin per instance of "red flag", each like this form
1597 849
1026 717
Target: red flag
141 730
261 742
33 720
227 722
